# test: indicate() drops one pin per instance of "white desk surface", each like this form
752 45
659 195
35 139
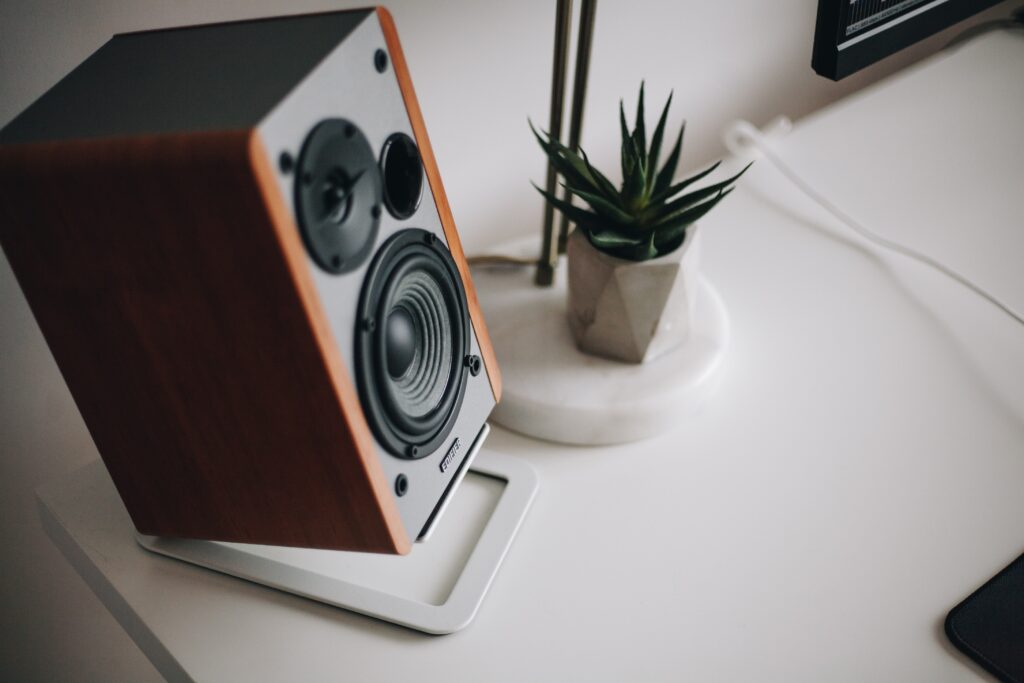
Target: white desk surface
859 471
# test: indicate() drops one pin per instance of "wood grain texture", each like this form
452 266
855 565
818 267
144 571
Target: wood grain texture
169 282
440 198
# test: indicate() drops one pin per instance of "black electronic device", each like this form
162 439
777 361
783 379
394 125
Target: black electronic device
988 626
852 34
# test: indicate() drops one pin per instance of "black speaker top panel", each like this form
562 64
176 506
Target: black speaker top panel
213 77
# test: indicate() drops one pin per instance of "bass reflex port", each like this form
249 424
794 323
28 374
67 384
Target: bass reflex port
402 169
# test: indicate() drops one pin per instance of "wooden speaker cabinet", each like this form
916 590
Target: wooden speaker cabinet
236 242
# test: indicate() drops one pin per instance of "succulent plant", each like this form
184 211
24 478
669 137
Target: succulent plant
647 216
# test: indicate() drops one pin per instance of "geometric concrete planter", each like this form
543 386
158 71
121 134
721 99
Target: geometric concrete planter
632 311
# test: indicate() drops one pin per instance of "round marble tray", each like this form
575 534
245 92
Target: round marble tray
553 391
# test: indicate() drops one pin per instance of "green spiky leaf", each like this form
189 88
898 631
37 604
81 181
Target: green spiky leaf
680 186
612 240
655 151
627 156
605 185
667 243
639 128
574 213
668 171
568 164
699 195
603 206
681 219
643 251
633 183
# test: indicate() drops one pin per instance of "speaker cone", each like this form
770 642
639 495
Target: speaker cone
411 339
338 195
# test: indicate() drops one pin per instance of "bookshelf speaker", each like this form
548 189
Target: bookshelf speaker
235 240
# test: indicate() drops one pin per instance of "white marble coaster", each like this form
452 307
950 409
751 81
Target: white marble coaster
553 391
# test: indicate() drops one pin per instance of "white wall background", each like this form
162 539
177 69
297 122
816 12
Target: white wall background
480 69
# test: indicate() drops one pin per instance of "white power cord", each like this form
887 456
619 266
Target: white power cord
742 136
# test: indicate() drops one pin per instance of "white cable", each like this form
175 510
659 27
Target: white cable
742 135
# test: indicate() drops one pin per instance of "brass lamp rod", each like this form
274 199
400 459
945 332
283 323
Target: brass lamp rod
554 243
545 274
588 9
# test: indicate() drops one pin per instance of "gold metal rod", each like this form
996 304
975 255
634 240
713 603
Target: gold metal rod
545 275
584 44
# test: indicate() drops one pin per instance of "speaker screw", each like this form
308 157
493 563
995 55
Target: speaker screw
369 324
401 485
472 362
380 61
430 238
285 162
375 212
413 451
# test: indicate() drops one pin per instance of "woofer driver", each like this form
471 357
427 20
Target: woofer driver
411 340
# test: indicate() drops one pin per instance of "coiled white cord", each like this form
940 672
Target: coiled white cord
741 136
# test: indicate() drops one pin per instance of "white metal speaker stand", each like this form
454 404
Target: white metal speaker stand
437 588
340 578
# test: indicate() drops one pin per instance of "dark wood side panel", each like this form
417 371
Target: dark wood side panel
157 271
440 198
346 396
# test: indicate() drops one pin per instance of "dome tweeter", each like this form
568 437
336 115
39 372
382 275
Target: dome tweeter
338 195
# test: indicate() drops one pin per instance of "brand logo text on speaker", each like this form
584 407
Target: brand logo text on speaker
450 455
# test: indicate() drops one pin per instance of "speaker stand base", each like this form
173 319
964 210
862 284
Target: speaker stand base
411 590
